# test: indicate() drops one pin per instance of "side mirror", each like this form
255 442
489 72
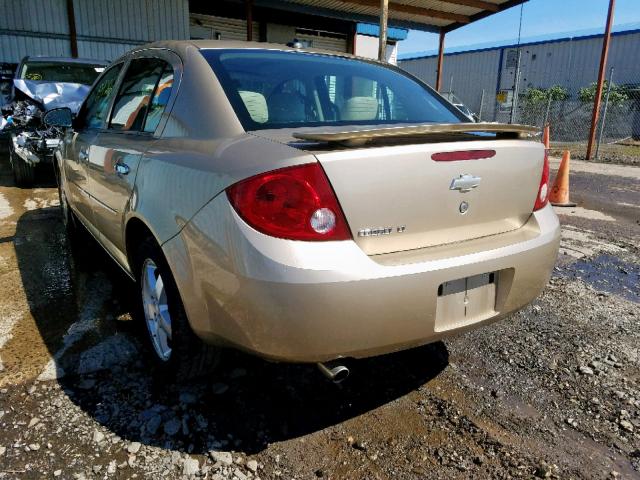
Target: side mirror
58 117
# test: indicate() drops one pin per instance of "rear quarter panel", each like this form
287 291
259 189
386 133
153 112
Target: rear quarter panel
199 149
177 177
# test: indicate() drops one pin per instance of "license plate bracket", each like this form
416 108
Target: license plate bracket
465 301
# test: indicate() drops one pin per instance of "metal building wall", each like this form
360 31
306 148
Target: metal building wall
105 29
574 63
423 68
466 75
211 27
32 25
571 63
324 42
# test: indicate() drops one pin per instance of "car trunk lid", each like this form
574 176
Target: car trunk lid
401 190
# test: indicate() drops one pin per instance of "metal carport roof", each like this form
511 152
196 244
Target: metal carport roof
427 15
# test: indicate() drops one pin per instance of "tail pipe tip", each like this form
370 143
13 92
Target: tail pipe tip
335 373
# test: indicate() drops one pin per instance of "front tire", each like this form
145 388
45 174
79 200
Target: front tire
174 351
69 219
24 174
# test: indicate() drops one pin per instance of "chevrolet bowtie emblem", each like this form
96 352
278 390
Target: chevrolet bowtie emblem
465 183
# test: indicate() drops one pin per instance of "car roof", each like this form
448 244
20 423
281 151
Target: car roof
181 47
89 61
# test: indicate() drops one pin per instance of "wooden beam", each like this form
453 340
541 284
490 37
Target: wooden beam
424 12
382 38
492 7
73 36
440 61
249 14
603 65
352 39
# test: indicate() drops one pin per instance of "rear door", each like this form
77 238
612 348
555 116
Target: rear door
80 144
145 89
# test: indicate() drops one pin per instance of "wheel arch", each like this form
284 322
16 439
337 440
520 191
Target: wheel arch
136 231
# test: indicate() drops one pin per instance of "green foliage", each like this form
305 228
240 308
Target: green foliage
540 96
617 96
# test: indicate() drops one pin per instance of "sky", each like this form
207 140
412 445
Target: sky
540 17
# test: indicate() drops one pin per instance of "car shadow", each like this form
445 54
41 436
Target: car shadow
81 301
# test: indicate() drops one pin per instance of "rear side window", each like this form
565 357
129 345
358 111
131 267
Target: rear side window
277 89
96 107
136 92
159 100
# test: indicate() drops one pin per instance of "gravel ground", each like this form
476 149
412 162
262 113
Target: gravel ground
552 391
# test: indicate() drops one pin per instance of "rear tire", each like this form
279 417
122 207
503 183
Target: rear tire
24 174
174 352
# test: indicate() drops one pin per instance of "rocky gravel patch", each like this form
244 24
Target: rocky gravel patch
552 391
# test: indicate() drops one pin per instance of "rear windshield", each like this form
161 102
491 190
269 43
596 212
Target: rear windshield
60 72
275 89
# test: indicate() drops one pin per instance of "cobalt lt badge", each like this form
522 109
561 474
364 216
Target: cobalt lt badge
464 206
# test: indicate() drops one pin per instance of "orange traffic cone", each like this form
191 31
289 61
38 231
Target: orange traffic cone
545 136
560 191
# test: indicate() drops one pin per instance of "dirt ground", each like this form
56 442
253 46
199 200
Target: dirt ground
624 152
552 391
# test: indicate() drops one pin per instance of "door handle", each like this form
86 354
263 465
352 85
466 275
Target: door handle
122 168
83 154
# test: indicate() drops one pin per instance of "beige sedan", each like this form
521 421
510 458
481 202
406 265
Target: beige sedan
300 205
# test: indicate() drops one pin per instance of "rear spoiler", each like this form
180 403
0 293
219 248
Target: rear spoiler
360 136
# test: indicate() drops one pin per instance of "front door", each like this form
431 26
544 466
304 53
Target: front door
114 160
80 143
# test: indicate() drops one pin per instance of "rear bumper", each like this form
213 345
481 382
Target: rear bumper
306 301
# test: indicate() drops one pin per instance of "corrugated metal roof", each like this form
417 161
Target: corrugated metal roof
427 15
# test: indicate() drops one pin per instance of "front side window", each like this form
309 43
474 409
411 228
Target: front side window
133 100
278 89
95 109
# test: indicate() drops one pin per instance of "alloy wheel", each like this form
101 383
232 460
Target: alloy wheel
156 309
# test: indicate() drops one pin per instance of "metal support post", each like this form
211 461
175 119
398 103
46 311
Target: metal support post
382 46
440 61
604 112
603 65
547 112
516 89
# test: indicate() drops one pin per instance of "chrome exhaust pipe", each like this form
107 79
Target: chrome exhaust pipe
335 373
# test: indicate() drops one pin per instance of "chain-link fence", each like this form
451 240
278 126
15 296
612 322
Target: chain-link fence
569 115
568 111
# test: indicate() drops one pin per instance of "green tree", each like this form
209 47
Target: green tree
540 96
618 95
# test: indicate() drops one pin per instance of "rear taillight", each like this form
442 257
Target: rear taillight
295 203
543 191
